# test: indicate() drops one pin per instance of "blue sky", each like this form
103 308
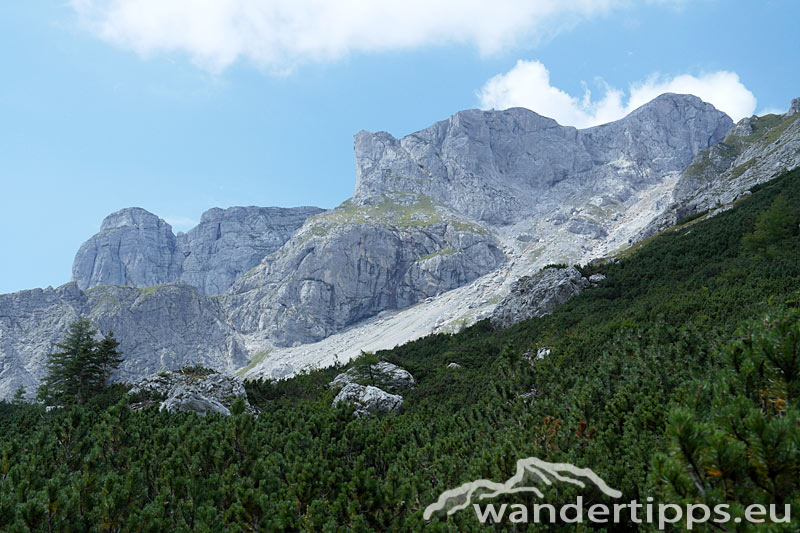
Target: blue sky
179 106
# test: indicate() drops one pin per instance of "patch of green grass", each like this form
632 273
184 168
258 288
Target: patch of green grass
446 251
396 209
256 359
144 292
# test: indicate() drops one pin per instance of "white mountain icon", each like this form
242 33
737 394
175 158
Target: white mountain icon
531 468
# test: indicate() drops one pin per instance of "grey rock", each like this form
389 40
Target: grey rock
368 400
424 219
794 108
383 374
595 279
229 242
136 248
30 323
355 261
199 393
584 226
502 166
538 295
454 365
756 150
541 353
184 400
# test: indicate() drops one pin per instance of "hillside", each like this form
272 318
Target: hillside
667 365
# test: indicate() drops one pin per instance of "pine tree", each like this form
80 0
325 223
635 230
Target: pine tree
772 227
81 367
107 359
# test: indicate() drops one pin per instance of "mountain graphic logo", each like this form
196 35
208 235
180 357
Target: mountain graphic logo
531 469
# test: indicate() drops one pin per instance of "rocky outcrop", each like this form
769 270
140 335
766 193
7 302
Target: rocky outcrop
756 150
30 323
229 242
193 390
355 261
368 400
503 166
365 386
538 295
159 328
383 374
136 248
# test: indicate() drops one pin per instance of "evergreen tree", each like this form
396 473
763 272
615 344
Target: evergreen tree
772 227
107 359
81 366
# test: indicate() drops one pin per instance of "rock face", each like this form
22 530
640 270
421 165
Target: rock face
30 322
356 261
754 151
503 166
198 392
229 242
136 248
421 221
368 400
538 295
159 328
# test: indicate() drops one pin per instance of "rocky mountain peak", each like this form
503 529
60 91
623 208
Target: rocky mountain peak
133 216
500 167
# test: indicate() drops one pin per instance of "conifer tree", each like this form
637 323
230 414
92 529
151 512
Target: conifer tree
81 366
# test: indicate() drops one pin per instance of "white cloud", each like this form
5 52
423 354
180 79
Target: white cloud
527 84
279 34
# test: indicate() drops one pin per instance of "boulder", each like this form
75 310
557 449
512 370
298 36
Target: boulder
368 400
186 400
383 374
194 390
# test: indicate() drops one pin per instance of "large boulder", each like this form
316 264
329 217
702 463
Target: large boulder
383 374
368 400
195 390
538 295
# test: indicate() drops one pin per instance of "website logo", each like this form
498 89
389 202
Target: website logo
533 473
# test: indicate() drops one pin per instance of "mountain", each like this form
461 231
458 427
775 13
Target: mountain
500 167
432 211
134 247
441 223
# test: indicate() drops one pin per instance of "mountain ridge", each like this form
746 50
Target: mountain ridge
335 287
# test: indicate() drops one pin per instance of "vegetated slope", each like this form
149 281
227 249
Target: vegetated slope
623 356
